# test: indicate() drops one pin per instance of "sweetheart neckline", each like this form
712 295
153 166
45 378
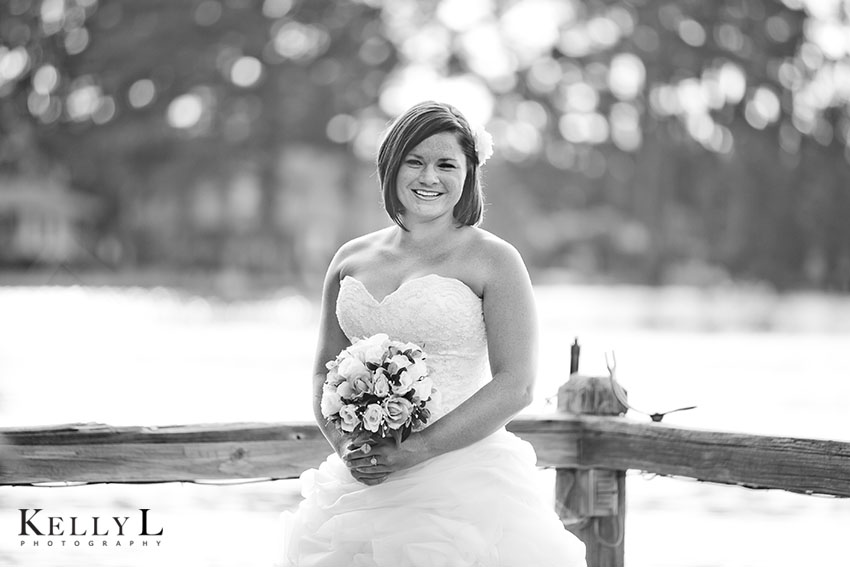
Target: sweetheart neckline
410 281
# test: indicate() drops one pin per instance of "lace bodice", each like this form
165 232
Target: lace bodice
441 314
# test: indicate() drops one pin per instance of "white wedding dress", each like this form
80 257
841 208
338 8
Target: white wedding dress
474 507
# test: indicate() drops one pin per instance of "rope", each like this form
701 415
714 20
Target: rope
621 532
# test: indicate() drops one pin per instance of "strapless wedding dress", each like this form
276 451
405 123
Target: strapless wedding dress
474 507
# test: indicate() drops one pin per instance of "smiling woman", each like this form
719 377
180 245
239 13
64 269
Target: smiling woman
455 491
433 149
430 181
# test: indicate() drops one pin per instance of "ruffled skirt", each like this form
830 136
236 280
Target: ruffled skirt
475 507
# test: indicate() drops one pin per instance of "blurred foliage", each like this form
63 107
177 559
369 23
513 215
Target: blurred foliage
650 141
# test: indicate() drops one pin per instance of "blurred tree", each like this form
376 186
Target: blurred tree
700 133
143 99
655 141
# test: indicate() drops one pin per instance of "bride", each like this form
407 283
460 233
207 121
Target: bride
461 491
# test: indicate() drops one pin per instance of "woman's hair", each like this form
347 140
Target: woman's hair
417 124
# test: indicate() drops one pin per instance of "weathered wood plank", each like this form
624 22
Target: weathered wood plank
797 465
99 453
555 438
99 433
94 452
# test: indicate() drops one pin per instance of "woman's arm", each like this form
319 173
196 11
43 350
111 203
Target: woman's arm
510 317
331 341
511 323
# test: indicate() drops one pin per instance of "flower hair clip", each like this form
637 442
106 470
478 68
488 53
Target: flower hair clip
483 144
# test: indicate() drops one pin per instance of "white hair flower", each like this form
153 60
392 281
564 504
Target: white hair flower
483 144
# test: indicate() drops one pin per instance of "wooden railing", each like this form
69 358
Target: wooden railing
590 453
100 453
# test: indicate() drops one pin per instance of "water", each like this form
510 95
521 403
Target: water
750 360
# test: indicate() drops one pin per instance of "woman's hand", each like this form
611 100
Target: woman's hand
372 461
365 464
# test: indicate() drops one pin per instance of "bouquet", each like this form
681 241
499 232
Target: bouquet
378 387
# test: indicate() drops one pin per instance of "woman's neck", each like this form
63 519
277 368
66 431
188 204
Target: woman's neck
430 237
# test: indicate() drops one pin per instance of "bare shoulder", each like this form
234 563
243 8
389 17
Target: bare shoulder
495 254
489 263
352 253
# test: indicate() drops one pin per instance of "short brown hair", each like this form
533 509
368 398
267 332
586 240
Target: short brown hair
417 124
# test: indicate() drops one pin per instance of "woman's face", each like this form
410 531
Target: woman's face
430 179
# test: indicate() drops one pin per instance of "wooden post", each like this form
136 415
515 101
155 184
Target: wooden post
592 502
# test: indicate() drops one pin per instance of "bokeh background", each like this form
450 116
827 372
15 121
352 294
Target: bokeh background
650 142
175 176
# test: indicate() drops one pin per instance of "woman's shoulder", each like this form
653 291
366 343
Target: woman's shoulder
495 251
487 259
355 249
366 241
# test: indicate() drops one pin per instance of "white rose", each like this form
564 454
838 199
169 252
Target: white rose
374 355
361 385
333 378
418 370
412 349
372 416
405 383
363 348
356 348
351 368
348 414
380 339
397 363
381 387
397 412
483 144
345 390
331 402
422 388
